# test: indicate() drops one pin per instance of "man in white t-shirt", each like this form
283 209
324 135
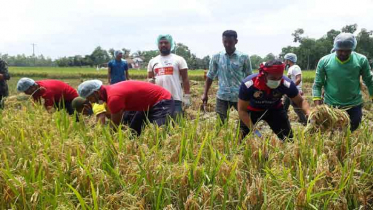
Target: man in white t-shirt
295 74
171 72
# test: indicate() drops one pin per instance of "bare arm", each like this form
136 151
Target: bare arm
185 79
49 109
101 118
208 83
303 104
151 77
127 75
243 114
298 79
116 118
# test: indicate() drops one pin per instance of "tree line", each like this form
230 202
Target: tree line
309 52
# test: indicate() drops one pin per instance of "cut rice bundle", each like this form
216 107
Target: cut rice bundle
324 118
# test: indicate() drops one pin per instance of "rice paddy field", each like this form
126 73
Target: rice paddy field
49 161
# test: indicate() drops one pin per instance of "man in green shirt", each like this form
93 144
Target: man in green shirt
339 74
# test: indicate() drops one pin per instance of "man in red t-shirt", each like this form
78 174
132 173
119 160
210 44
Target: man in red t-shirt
55 93
150 101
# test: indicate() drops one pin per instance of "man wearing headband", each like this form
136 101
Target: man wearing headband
55 93
339 75
295 74
117 69
167 69
151 102
4 76
260 99
230 67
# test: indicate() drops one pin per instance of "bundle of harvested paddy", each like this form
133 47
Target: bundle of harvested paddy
324 118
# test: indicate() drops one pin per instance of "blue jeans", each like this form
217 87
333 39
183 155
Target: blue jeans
356 114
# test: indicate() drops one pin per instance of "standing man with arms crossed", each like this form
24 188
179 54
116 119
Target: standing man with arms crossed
339 74
167 69
230 67
117 69
295 74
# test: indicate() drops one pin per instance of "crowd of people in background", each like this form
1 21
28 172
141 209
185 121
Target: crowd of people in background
265 95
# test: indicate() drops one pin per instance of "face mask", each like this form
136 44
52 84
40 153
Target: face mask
287 67
273 84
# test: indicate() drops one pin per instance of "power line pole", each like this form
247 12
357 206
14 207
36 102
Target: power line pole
33 53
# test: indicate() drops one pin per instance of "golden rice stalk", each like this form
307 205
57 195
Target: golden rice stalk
324 118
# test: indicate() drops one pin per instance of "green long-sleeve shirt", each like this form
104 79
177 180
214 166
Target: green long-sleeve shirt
341 80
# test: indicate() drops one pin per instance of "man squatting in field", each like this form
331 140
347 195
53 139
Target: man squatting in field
230 67
339 74
56 94
166 70
260 99
151 102
4 76
295 74
117 69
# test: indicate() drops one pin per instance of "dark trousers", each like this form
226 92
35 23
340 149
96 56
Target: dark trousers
222 108
67 105
158 114
277 120
302 117
356 115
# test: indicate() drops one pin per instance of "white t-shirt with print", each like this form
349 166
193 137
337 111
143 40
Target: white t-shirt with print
293 72
167 73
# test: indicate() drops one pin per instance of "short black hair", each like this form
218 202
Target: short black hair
273 63
230 33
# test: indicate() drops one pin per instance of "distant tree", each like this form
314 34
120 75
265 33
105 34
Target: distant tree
256 60
269 57
99 56
349 28
298 35
126 52
111 52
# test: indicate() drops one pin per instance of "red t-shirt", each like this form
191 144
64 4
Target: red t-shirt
52 91
133 96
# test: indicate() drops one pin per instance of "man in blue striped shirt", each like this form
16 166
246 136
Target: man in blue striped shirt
230 67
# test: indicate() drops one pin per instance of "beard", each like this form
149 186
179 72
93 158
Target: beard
165 51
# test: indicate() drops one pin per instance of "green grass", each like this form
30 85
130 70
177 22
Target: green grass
87 72
84 72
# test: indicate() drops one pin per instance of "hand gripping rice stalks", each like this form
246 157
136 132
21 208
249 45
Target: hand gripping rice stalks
324 118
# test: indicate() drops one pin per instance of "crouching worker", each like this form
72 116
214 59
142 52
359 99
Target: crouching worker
260 99
151 102
56 94
84 107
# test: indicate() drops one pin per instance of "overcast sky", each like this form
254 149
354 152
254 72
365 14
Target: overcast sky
76 27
